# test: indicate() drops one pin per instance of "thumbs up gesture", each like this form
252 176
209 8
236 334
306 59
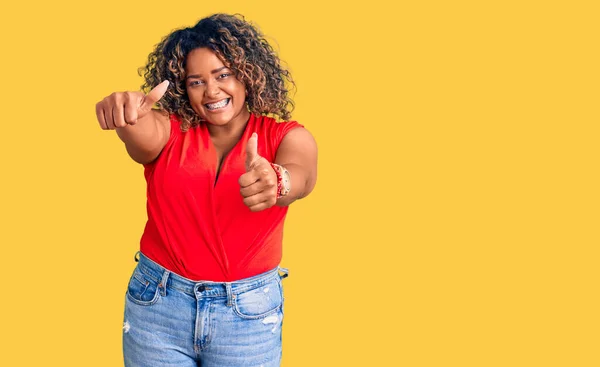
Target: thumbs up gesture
125 108
258 185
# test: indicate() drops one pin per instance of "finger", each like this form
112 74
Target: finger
267 175
119 114
253 189
154 96
262 206
248 178
252 151
268 197
100 116
262 173
131 113
108 117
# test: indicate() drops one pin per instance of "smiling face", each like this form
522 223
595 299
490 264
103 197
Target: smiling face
214 91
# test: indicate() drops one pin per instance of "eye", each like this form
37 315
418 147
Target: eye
224 75
194 83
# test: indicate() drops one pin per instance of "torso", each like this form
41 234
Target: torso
204 231
222 147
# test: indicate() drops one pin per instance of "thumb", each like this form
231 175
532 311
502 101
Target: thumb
252 151
154 96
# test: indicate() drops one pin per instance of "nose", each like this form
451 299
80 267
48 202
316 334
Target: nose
212 90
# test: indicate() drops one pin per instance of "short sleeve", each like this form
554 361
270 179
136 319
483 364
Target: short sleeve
281 129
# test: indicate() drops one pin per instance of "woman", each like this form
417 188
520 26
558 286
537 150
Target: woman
220 175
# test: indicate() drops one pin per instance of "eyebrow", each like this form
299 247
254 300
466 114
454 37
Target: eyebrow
212 72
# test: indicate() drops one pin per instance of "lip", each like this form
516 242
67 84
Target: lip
219 109
215 101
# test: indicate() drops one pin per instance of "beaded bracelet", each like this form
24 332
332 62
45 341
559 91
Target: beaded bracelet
282 188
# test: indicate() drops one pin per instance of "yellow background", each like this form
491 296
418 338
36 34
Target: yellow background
455 220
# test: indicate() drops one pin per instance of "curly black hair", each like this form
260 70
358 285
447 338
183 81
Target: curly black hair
240 46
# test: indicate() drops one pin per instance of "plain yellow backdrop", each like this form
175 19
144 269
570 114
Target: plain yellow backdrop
455 220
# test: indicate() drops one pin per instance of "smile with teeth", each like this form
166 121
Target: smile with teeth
217 105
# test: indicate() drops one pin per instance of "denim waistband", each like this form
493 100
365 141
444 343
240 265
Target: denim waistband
204 288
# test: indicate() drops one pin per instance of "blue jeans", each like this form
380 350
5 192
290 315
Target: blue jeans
174 321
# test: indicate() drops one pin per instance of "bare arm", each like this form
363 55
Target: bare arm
145 140
297 152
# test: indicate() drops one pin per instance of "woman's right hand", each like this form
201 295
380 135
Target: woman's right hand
126 108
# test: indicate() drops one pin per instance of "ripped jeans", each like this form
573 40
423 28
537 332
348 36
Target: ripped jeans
173 321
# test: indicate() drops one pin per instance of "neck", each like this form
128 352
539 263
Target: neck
234 128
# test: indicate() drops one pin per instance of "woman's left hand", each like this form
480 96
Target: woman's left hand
258 185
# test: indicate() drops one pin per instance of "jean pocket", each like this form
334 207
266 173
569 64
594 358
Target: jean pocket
142 289
259 302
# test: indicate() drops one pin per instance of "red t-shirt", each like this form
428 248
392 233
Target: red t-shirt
202 230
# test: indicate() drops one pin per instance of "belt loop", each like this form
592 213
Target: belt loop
163 283
136 257
229 294
285 272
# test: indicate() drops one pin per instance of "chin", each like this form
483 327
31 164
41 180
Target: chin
219 121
